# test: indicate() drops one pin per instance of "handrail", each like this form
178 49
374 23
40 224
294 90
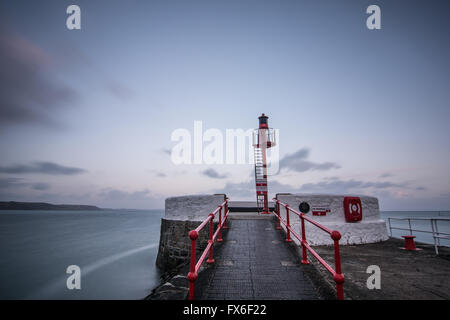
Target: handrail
335 235
421 218
193 235
436 234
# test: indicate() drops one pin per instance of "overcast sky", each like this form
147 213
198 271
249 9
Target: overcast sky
86 116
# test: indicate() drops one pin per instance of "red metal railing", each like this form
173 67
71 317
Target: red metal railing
335 235
193 235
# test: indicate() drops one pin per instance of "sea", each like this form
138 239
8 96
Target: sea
115 251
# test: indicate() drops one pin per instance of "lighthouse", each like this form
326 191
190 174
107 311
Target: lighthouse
263 139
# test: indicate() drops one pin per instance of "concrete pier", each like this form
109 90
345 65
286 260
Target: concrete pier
405 275
254 262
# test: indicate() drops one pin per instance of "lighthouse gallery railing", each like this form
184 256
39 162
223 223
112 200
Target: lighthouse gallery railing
338 277
193 235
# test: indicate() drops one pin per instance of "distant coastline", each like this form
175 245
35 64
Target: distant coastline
14 205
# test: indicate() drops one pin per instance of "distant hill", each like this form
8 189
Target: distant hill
13 205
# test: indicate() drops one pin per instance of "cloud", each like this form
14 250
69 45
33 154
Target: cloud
390 194
43 168
411 202
105 198
166 151
69 56
8 183
119 90
115 194
343 186
13 183
40 186
238 190
247 189
28 95
116 198
171 173
297 161
214 174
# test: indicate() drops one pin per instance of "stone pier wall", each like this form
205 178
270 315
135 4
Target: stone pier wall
183 214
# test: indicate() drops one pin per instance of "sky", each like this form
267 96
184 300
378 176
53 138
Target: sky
87 116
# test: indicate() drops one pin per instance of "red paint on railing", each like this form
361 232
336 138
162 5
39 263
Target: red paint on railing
338 277
288 226
220 223
278 213
193 235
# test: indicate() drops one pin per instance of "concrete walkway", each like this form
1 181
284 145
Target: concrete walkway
254 262
405 275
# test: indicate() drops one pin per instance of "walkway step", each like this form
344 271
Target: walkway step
255 263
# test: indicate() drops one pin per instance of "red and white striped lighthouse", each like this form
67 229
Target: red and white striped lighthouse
263 138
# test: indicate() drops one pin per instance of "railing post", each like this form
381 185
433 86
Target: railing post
304 253
434 237
225 214
338 277
437 231
211 232
288 225
192 275
390 227
219 239
279 215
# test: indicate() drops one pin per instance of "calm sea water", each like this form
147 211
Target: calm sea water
115 249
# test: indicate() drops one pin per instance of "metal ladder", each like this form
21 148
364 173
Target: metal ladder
259 177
